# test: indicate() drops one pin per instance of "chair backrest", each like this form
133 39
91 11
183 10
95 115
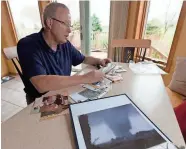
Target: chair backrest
128 46
11 54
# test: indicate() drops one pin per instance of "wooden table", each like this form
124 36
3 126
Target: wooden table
25 131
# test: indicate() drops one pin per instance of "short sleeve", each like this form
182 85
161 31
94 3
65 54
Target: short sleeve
29 59
77 57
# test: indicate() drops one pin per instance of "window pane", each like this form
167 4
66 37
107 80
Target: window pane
74 36
100 15
26 16
161 25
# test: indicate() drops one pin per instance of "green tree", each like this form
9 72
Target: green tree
154 27
76 26
96 25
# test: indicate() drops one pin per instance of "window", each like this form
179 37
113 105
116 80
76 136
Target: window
26 17
161 25
100 25
100 15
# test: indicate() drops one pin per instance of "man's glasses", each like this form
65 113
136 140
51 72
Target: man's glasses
67 25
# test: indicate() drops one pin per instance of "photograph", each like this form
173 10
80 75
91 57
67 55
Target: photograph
89 94
50 106
53 105
105 83
120 127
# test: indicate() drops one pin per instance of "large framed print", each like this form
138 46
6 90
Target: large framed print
115 123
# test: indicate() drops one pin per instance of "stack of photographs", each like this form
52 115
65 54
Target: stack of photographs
50 106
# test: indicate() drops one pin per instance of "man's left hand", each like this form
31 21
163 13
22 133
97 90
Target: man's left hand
104 62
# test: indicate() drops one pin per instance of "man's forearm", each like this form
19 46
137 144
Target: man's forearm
44 83
91 60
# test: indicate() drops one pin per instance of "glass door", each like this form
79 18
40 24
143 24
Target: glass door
100 15
90 21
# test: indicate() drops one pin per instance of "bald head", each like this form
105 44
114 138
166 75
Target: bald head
57 23
51 9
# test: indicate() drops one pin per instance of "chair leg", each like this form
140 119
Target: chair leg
144 54
136 58
29 99
140 54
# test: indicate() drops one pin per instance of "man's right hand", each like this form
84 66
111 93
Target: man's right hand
94 76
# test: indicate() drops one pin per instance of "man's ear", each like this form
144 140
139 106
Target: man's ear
48 23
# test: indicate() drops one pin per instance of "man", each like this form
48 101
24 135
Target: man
46 57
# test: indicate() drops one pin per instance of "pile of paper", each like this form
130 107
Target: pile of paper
145 68
99 89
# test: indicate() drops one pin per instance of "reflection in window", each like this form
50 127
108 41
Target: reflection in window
26 17
161 25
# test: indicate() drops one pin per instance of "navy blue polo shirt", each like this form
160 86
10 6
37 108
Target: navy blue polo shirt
37 58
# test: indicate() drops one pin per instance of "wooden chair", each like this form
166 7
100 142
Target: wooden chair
125 48
11 54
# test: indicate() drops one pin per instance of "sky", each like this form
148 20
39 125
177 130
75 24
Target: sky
25 11
158 9
99 7
116 122
102 9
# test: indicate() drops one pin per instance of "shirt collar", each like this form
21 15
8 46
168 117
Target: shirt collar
46 46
